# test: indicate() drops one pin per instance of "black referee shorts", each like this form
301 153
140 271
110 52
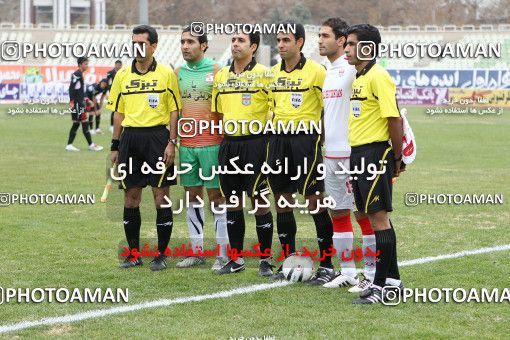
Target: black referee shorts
298 149
144 145
373 195
250 150
78 112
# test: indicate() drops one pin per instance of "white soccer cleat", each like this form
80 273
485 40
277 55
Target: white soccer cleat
71 147
95 147
341 281
190 261
219 263
99 131
361 286
92 131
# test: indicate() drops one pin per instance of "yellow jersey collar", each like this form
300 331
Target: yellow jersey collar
365 69
248 67
299 65
152 67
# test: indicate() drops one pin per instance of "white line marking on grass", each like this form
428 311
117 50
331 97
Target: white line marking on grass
454 255
99 313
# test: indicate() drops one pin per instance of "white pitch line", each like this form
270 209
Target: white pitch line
98 313
454 255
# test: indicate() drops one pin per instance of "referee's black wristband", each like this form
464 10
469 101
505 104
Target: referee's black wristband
115 145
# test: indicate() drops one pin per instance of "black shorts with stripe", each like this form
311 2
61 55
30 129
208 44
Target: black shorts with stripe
250 150
78 111
141 145
375 194
300 150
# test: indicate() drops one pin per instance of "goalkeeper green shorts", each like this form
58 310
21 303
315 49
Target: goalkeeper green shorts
204 158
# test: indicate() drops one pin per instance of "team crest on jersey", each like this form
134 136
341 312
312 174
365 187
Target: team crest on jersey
153 99
209 77
296 99
341 71
246 99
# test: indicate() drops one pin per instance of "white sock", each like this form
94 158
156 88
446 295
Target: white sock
195 219
393 282
220 226
369 271
343 242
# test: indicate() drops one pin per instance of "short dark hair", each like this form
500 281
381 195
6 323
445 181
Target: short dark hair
153 35
118 61
198 32
366 32
299 29
254 39
253 35
338 26
104 80
81 60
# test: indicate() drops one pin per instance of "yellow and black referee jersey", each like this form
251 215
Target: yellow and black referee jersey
242 97
145 100
373 100
297 95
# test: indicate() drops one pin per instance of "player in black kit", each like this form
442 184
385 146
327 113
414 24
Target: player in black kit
77 103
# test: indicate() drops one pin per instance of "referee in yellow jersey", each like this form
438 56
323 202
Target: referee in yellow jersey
374 121
241 98
296 94
146 101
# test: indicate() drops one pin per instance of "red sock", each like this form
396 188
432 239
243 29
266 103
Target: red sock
342 224
366 227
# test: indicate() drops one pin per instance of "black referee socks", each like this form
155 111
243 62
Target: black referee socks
236 228
393 272
164 224
385 244
132 222
324 228
286 227
265 232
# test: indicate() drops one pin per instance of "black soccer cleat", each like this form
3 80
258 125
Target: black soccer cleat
159 263
130 262
231 267
278 275
322 276
398 290
265 268
372 295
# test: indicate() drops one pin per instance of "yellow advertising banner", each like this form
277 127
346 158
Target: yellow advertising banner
479 97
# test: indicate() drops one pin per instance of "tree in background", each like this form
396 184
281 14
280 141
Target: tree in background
376 12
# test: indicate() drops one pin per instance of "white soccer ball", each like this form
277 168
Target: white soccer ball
297 268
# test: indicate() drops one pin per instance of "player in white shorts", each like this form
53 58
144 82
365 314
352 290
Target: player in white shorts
336 93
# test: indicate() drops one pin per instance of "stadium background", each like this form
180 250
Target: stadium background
78 246
421 81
